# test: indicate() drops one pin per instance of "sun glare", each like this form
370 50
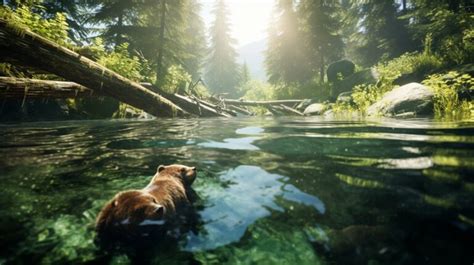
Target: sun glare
249 18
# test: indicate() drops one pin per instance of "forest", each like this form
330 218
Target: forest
344 55
136 132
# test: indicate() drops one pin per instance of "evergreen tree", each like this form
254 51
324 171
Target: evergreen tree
321 30
381 34
284 57
448 25
222 74
195 43
244 73
75 16
114 18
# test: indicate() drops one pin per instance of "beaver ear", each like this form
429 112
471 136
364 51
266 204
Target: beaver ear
160 211
160 168
115 203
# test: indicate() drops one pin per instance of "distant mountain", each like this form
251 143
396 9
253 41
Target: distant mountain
253 54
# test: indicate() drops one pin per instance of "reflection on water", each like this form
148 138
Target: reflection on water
249 194
271 191
233 144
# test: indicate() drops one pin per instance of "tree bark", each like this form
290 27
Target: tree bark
18 88
40 52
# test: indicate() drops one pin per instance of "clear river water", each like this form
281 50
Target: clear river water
270 190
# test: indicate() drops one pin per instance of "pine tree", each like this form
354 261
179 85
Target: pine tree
446 22
284 57
382 34
115 19
195 42
222 75
244 73
321 30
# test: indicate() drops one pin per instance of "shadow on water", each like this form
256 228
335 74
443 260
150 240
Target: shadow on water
272 191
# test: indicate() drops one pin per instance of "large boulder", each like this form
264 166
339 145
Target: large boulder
367 76
315 109
342 68
413 99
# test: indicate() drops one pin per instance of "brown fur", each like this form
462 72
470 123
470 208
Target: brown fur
159 201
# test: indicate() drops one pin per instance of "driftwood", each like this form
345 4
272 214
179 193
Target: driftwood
34 50
33 88
190 105
291 110
240 110
260 103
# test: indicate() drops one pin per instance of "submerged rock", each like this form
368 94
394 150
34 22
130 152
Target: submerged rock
413 98
315 109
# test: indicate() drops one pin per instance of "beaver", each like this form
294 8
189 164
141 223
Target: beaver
133 212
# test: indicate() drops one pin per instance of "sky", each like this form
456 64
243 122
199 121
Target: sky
249 18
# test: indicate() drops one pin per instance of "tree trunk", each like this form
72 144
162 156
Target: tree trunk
159 61
39 52
18 88
118 36
321 69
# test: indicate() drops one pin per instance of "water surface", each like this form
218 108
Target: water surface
271 191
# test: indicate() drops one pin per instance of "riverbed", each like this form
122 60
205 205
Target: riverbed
270 190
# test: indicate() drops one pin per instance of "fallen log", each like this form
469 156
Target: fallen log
32 49
241 110
260 103
189 105
291 110
11 87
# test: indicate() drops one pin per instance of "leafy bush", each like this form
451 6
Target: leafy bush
176 79
417 64
120 61
257 90
23 17
447 88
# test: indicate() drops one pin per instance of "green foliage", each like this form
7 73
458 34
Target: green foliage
417 64
176 80
447 88
384 35
54 28
121 62
66 239
450 25
257 90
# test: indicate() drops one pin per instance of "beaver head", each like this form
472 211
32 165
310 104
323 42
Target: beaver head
186 174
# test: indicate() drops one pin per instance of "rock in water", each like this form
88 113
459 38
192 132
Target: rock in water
411 98
314 109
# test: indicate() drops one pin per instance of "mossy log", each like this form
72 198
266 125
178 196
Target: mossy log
19 88
42 53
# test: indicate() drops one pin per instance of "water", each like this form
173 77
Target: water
271 191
